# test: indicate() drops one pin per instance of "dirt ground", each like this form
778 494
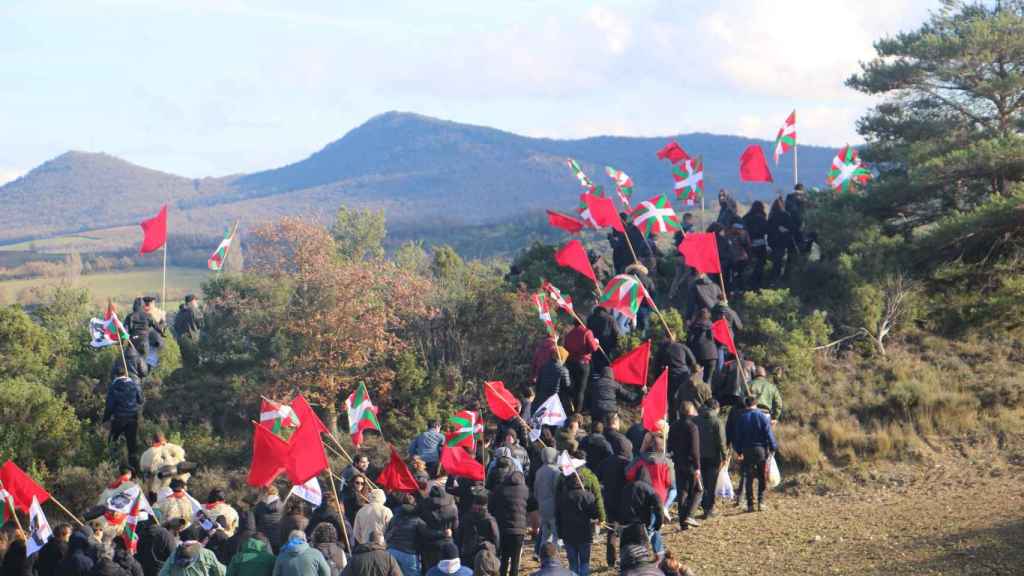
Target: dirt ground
952 514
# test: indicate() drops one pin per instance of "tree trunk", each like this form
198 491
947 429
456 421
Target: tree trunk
331 413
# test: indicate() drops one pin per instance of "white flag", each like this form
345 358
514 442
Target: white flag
550 413
310 492
569 465
122 502
39 532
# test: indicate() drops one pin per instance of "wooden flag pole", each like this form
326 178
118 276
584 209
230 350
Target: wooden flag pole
163 289
655 306
625 232
227 250
796 174
10 503
66 511
341 512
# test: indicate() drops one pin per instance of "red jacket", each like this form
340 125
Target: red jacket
580 343
542 354
658 468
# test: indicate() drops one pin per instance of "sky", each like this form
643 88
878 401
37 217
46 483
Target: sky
216 87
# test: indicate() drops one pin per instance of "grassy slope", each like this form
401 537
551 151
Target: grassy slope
121 286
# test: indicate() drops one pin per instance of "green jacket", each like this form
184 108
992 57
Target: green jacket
301 560
593 485
767 395
254 559
712 435
205 565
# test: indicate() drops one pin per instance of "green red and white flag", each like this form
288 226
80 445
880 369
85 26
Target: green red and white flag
109 330
786 138
131 527
624 293
563 302
8 505
467 427
220 255
277 417
847 170
689 177
655 216
540 300
583 178
362 414
623 184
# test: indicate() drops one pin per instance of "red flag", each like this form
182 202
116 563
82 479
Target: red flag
396 476
753 166
673 153
655 403
720 331
565 222
602 211
701 252
572 255
269 456
154 231
306 457
631 367
457 462
21 486
304 413
501 402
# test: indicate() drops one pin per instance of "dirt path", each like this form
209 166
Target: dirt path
955 515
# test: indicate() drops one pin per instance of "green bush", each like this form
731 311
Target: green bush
38 426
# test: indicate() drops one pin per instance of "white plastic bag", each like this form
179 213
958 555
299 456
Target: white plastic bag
723 487
774 476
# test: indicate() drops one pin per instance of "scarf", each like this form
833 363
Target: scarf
449 566
120 480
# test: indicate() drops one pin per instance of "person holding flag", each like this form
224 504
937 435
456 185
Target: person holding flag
188 321
554 378
427 445
123 407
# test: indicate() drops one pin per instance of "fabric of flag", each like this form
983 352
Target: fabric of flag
540 300
21 487
108 331
847 170
501 402
310 492
549 413
631 367
753 166
689 177
786 138
306 455
623 293
623 184
567 464
7 501
396 477
673 152
655 404
565 222
276 417
466 427
305 414
723 335
130 534
269 456
584 180
154 232
362 414
556 296
601 213
700 249
574 256
220 255
120 503
39 531
655 216
461 464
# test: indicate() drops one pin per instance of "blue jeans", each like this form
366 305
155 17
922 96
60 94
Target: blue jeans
670 499
655 537
409 563
579 558
548 533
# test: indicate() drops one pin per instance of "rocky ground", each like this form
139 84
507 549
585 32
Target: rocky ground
958 511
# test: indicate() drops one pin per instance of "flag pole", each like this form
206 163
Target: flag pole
163 289
796 174
656 310
341 512
10 504
625 232
66 511
227 250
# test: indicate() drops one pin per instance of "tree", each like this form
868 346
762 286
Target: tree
948 133
39 426
359 233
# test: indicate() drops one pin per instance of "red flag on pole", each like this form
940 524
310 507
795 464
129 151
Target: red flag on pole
306 456
396 476
457 462
565 222
21 487
602 211
673 153
631 367
700 249
154 231
572 255
655 403
753 166
721 333
269 456
304 413
501 402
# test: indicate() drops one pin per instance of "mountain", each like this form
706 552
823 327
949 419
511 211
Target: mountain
424 172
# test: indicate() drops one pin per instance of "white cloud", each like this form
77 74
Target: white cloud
617 30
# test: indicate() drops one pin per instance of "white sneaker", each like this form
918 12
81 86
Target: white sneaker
668 514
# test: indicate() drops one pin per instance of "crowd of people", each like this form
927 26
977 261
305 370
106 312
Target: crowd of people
622 487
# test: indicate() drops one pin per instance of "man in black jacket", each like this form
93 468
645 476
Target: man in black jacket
641 505
681 364
605 394
439 512
684 444
507 503
124 404
554 379
53 552
138 324
612 473
606 330
713 452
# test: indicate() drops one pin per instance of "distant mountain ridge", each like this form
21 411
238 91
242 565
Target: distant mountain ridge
420 170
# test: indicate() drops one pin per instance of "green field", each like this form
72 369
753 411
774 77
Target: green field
121 286
91 241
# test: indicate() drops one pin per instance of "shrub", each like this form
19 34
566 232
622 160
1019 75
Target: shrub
47 430
799 447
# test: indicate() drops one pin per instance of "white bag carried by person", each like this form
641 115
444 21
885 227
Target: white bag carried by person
723 488
774 476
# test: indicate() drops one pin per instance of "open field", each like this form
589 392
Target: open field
121 286
92 241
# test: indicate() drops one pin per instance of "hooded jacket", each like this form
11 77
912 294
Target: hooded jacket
703 293
83 553
700 340
370 560
439 512
638 560
684 444
254 559
124 399
268 518
478 526
605 330
205 564
507 504
712 436
612 473
597 448
640 502
658 471
156 544
553 378
576 508
298 558
50 557
545 484
374 516
408 532
605 394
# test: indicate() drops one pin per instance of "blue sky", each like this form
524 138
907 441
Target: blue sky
214 87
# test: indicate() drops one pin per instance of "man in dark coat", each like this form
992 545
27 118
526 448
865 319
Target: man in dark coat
478 526
407 534
53 552
268 513
577 510
371 559
123 406
684 445
439 512
138 325
701 342
156 543
612 473
507 503
554 379
703 293
641 505
605 394
680 362
84 550
595 445
187 324
712 452
755 440
606 330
